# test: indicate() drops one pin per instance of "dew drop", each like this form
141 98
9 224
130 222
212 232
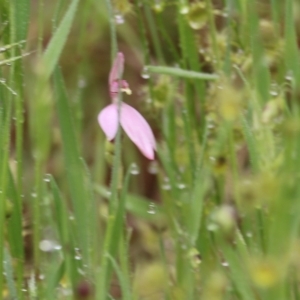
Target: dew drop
41 277
57 247
158 6
184 9
119 18
273 93
134 169
47 178
289 75
77 254
145 73
2 80
212 227
80 271
81 83
166 185
181 185
225 264
249 234
46 246
151 209
274 90
153 167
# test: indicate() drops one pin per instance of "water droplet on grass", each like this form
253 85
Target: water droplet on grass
119 18
158 6
181 185
41 277
81 83
273 93
152 209
46 246
153 167
212 227
134 169
77 254
47 178
289 76
77 257
225 264
145 73
166 186
57 247
184 9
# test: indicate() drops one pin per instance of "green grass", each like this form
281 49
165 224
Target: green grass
215 216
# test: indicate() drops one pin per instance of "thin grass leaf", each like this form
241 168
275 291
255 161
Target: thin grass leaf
21 11
64 229
4 160
56 44
194 216
14 224
237 273
177 72
9 274
75 174
123 283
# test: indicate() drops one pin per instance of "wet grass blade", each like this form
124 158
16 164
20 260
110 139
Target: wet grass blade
74 168
56 44
9 274
178 72
21 10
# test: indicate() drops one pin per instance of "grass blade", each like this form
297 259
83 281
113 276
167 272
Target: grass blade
178 72
55 46
75 172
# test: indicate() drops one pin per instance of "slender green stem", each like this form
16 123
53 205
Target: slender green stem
154 34
213 33
41 5
16 94
3 184
113 31
36 200
105 273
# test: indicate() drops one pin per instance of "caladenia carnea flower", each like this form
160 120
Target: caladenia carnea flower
131 120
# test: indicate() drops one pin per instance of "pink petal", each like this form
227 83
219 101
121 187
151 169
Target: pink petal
108 120
138 130
117 69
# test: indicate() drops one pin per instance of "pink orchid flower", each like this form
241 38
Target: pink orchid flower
131 120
